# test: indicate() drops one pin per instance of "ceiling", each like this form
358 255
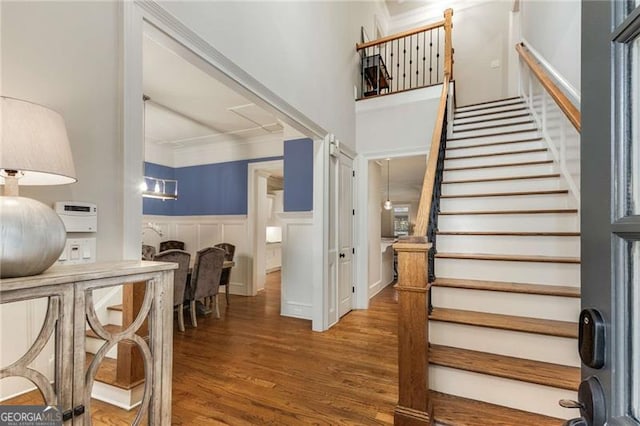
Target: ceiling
405 177
189 107
398 7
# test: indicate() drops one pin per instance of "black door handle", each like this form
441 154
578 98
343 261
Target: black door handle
341 255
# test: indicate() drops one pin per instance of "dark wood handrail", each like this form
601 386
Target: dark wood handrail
397 36
570 110
422 220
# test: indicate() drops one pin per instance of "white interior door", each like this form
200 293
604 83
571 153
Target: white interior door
345 235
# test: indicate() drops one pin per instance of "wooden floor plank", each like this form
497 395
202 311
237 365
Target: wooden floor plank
506 322
507 367
508 287
449 410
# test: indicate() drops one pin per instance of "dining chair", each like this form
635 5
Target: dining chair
148 252
182 258
229 251
171 245
205 279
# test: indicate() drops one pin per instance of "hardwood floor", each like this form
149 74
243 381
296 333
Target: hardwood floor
254 367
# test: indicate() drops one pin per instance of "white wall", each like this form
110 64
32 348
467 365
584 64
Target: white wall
65 56
552 29
303 51
480 36
375 255
399 123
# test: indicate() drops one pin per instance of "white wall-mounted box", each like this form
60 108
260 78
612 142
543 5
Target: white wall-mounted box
78 216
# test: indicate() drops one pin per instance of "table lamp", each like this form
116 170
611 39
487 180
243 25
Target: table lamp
34 150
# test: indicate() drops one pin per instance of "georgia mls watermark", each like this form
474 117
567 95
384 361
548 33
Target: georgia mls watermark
30 415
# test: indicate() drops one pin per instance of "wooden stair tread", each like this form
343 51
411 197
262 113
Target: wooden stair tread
491 102
497 154
107 372
478 145
544 176
540 211
509 257
512 108
111 328
490 166
494 126
506 322
509 234
508 287
519 115
507 367
508 194
488 135
486 106
115 308
450 410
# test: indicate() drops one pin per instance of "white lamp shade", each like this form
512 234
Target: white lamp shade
34 142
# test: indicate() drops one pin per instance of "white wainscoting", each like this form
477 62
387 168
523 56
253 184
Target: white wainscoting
298 266
199 232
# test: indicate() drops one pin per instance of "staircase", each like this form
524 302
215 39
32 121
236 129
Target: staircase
502 333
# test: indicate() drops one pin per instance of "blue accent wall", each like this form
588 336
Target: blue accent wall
208 189
298 175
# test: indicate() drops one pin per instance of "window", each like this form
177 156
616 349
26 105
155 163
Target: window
401 224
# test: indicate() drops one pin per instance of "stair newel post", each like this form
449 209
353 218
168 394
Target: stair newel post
414 406
448 46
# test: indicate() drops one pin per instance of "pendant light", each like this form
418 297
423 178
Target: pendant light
387 204
152 187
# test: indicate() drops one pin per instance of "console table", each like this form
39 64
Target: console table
69 292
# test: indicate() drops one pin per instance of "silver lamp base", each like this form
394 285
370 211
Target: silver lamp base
32 237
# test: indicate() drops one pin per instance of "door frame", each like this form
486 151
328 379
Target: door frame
180 38
257 171
361 300
604 227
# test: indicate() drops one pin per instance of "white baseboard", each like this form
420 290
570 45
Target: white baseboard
297 310
123 398
376 288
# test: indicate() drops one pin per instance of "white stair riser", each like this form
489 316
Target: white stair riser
509 271
93 345
498 159
538 347
495 172
468 117
114 317
517 304
500 244
483 122
489 105
496 390
498 186
541 222
514 202
493 149
460 141
487 130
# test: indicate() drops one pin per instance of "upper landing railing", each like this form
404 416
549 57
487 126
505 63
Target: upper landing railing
408 60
